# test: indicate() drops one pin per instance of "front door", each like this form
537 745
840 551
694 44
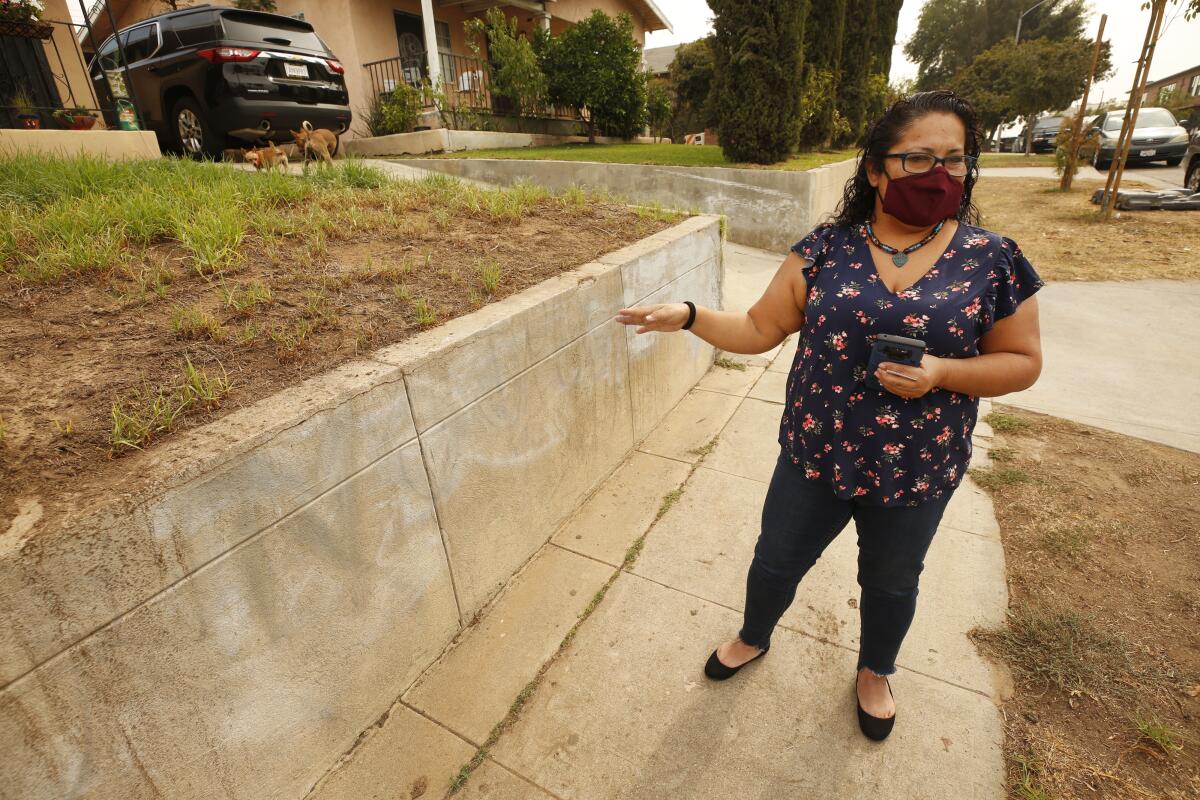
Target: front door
410 39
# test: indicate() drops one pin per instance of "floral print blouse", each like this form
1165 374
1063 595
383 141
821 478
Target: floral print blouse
870 444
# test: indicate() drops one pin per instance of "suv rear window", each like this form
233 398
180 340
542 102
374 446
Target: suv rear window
267 30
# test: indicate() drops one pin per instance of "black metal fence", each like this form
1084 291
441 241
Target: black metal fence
44 76
465 80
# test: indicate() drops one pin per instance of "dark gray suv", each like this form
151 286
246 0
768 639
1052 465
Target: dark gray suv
206 75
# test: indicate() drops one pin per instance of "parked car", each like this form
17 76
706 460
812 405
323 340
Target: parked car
1156 137
205 75
1045 132
1191 173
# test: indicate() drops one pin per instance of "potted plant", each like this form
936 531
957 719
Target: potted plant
75 119
22 105
22 18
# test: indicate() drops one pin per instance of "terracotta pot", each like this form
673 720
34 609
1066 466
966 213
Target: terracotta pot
75 122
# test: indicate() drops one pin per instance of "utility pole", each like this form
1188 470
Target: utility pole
1117 168
1077 135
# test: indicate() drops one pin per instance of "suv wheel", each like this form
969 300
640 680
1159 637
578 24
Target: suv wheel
1193 176
1101 164
1174 162
193 134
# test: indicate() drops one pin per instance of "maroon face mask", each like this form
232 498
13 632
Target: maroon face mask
923 200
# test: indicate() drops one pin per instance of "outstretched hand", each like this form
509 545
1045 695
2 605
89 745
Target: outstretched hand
663 317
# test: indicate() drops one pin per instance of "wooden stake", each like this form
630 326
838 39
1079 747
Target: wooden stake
1117 168
1078 137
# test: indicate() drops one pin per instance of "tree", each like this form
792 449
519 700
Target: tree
658 106
856 69
757 69
691 86
824 31
255 5
950 33
1024 80
595 67
883 39
513 69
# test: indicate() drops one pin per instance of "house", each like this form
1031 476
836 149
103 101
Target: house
1180 92
658 60
383 42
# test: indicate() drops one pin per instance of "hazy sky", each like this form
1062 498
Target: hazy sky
1126 29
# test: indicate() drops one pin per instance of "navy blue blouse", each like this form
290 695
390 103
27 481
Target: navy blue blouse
870 444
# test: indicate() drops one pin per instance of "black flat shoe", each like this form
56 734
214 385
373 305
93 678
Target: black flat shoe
876 728
719 672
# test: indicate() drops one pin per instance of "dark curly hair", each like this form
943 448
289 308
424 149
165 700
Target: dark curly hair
858 201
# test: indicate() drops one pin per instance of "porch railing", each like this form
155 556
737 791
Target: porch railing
465 80
50 71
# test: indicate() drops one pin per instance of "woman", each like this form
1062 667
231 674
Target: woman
904 257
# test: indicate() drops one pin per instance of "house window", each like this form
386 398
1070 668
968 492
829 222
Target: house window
445 54
1194 90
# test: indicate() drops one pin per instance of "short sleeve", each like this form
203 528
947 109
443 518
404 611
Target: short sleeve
814 248
1016 280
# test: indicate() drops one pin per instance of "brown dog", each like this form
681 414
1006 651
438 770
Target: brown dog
270 157
319 143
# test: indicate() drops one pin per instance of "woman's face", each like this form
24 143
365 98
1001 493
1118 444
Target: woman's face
938 132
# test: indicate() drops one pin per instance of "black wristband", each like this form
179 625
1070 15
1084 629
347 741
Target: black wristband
691 314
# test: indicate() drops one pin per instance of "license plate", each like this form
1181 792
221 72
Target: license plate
295 70
1144 153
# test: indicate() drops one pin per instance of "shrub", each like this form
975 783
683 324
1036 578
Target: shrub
513 67
399 110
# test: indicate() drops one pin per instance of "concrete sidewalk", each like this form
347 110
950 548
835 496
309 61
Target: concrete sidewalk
1117 355
622 708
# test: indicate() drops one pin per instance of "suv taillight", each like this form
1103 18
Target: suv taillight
336 66
218 55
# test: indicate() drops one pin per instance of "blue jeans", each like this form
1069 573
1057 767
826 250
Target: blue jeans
800 518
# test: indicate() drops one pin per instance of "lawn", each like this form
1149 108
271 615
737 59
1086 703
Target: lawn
1100 545
1016 160
668 155
140 298
1064 238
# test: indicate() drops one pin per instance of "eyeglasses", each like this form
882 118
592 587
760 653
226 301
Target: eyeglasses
919 163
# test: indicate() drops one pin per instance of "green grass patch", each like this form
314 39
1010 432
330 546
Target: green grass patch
668 155
1006 423
999 476
141 417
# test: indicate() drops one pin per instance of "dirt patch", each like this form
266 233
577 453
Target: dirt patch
94 356
1062 236
1101 538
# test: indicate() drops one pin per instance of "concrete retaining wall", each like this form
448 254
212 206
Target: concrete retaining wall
770 209
443 140
112 145
297 564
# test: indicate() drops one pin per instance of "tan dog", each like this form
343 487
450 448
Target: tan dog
320 143
270 157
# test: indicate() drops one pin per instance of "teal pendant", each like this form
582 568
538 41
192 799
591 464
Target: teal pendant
900 259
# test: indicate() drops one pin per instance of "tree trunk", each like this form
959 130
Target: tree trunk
1029 120
591 129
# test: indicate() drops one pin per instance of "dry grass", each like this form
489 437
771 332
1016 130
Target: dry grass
1102 544
1062 236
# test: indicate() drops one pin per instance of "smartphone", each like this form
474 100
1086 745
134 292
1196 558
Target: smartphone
897 349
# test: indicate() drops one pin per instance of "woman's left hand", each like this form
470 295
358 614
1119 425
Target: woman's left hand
927 376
